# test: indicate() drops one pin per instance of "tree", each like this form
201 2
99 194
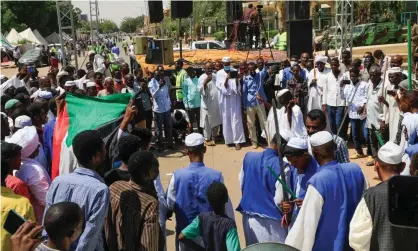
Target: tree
130 24
107 26
41 15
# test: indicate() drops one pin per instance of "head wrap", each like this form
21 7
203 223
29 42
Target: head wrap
395 70
321 58
70 83
281 92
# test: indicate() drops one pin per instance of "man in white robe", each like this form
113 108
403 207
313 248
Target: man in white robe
290 117
210 116
230 105
316 82
390 101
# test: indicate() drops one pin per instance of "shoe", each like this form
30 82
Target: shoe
370 161
209 143
237 147
357 156
172 148
254 145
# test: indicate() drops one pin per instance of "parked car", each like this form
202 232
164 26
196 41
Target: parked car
206 45
34 57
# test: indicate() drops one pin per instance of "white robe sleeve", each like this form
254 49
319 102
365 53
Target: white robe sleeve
171 194
302 234
361 227
229 209
241 177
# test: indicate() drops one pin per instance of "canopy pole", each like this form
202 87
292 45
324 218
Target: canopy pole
409 55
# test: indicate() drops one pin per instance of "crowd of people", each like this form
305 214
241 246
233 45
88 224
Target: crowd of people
300 190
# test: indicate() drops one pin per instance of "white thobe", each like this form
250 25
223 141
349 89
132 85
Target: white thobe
361 228
297 127
209 104
391 114
258 229
315 92
38 181
171 201
230 107
409 129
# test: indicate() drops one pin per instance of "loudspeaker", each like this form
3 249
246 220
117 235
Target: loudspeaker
298 10
299 37
141 45
156 14
234 11
181 9
163 52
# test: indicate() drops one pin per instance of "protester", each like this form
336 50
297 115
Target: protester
134 203
316 82
253 97
364 73
191 97
161 108
210 116
355 93
261 217
31 172
48 132
230 105
219 232
109 88
187 185
11 201
91 89
63 222
334 191
332 102
370 228
181 75
86 188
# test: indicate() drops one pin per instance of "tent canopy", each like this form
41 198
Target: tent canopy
5 44
40 37
53 38
30 36
13 37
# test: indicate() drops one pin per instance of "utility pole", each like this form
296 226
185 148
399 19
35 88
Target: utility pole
94 18
343 23
65 16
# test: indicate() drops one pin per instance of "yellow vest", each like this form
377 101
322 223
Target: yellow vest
282 42
179 81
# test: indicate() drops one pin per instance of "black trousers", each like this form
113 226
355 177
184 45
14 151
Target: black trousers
253 31
148 119
194 116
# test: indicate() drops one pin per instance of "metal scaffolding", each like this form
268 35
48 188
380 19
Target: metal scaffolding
343 38
94 19
65 17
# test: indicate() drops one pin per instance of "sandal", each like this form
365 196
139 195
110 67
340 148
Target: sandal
237 147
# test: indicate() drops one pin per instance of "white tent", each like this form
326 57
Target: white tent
30 36
40 37
4 43
53 38
13 37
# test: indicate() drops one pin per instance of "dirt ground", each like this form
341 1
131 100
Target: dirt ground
228 161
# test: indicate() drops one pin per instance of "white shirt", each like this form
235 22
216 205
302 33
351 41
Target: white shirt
331 94
356 97
185 115
374 107
361 228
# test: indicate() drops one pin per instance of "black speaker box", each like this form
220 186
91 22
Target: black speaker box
299 37
234 11
156 14
181 9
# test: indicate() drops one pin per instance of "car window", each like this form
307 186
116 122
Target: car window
213 45
33 53
201 45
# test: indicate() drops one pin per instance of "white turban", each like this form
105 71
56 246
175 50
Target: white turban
226 59
27 138
90 84
395 70
321 58
70 83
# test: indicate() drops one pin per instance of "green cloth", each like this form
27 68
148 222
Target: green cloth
191 94
179 82
193 230
9 104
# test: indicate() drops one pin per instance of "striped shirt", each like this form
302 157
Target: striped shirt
132 222
18 186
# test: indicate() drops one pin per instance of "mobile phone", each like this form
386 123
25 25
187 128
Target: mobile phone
403 201
233 74
346 81
13 222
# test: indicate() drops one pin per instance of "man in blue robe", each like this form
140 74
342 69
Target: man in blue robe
331 198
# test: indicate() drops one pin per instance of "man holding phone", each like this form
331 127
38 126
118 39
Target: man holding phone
11 202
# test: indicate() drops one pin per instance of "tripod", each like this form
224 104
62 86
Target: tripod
259 17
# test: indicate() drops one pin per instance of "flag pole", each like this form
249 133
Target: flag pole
409 56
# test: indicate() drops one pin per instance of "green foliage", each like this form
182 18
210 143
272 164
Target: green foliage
22 41
130 24
220 35
271 33
41 15
108 26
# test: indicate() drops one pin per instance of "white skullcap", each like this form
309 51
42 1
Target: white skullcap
321 58
70 83
108 78
194 139
226 59
281 92
395 70
298 143
286 134
61 74
320 138
22 121
404 84
391 153
45 94
27 138
90 84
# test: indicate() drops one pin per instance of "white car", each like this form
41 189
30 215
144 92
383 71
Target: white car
206 45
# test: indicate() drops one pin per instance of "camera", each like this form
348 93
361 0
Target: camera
259 6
